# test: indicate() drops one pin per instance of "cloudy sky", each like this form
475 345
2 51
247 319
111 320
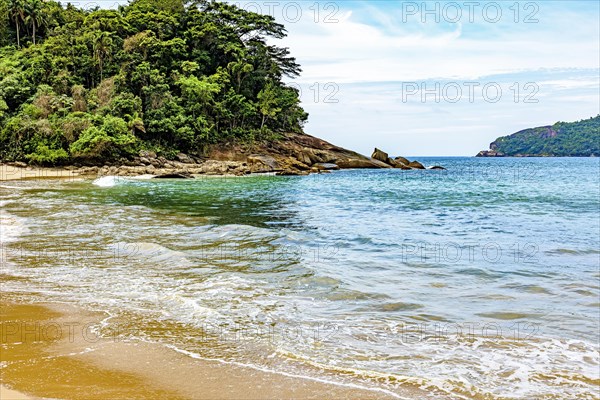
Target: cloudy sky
437 77
440 78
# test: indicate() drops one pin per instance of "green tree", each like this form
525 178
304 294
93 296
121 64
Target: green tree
176 76
268 103
102 48
17 12
35 15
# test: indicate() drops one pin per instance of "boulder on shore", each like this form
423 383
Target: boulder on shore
185 159
380 155
490 153
174 175
416 165
398 164
361 163
265 161
326 166
147 154
403 160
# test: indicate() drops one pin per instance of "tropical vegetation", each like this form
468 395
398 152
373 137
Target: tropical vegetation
87 86
563 139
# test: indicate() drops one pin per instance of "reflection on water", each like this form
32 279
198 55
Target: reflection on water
480 280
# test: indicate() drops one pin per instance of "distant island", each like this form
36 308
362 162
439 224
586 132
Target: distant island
563 139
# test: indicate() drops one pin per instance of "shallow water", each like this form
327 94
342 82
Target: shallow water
482 280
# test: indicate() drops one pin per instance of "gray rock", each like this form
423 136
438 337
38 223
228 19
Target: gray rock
184 158
290 172
326 166
267 161
174 175
490 153
403 160
304 158
398 164
380 155
147 154
155 162
361 163
416 165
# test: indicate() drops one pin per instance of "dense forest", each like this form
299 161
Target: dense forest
563 139
86 86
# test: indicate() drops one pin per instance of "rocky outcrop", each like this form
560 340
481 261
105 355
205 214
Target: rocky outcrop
416 165
355 163
398 162
490 153
402 160
291 155
380 156
175 175
326 167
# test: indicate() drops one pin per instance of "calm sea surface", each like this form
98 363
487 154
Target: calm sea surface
482 280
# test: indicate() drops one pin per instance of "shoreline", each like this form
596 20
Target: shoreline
77 364
9 394
14 173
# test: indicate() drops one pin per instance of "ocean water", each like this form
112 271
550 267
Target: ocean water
482 281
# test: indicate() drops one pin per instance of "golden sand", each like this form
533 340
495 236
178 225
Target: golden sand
48 353
8 394
10 173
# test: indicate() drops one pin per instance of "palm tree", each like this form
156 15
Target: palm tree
17 13
35 15
102 49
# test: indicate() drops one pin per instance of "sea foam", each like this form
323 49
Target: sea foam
108 181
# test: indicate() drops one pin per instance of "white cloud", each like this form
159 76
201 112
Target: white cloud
368 53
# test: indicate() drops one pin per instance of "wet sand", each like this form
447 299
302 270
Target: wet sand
11 173
51 351
8 394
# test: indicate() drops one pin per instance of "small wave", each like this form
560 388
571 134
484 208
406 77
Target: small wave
574 252
269 370
17 187
507 315
12 228
152 253
399 306
108 181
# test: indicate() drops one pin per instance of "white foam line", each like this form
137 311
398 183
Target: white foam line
287 374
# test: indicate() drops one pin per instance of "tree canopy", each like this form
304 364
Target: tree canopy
563 139
94 85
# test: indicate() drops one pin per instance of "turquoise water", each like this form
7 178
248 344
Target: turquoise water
482 280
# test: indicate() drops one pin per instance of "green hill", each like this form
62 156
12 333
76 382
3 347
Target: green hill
563 139
167 76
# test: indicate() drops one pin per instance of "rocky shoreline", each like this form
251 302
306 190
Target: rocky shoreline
295 154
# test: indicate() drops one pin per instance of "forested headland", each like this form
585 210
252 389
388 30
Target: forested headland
90 86
563 139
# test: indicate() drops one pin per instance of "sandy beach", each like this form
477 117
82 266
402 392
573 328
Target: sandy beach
9 394
12 173
50 351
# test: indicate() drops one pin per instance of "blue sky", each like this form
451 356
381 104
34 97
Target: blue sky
368 55
363 59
